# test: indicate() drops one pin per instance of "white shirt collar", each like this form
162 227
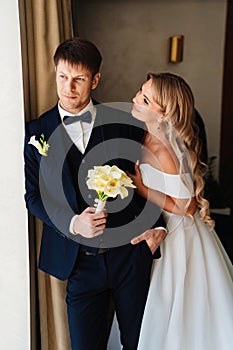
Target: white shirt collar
90 107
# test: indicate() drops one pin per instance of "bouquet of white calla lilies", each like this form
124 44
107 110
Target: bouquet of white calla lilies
42 146
108 181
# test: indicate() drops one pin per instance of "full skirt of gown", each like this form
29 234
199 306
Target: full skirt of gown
190 299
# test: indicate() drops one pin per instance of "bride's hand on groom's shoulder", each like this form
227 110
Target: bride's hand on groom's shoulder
153 238
137 180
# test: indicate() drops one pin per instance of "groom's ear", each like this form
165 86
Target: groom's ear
95 80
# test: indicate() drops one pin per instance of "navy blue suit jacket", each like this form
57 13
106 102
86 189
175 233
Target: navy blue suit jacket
56 190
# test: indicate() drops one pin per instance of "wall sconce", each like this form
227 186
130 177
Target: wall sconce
176 48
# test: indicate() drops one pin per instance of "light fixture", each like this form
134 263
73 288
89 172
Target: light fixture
176 48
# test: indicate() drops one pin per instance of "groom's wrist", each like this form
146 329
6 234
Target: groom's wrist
160 228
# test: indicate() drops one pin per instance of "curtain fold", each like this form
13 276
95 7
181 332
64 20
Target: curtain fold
44 24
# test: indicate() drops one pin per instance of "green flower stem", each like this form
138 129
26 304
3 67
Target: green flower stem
102 196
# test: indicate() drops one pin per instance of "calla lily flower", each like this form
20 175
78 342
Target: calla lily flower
41 146
109 181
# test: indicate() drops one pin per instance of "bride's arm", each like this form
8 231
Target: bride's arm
184 207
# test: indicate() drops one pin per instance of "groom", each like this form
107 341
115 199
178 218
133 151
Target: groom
91 250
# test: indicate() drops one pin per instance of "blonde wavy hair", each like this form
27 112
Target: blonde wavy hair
176 100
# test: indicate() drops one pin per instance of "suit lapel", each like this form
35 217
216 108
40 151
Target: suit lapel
104 141
56 163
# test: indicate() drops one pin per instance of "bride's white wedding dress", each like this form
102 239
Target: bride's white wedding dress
190 300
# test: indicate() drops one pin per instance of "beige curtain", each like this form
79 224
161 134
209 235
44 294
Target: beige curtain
44 24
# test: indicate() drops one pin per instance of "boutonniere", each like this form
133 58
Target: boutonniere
42 146
108 181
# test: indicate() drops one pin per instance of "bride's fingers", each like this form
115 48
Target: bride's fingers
129 174
136 167
137 171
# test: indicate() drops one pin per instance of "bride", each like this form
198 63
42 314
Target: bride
190 300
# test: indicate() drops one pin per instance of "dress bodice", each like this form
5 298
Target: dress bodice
178 186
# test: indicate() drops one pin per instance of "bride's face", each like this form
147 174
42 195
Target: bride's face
144 106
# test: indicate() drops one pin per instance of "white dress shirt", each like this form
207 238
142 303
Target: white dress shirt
79 131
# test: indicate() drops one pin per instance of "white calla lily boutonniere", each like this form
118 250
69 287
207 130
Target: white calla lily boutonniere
108 181
42 146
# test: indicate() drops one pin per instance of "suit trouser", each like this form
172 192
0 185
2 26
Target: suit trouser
122 273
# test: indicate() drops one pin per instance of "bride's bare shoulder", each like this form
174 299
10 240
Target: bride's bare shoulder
166 161
160 155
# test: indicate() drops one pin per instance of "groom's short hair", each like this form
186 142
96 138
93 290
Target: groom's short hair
79 51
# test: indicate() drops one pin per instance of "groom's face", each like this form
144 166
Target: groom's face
74 86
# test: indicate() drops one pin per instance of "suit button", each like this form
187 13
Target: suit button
89 196
83 161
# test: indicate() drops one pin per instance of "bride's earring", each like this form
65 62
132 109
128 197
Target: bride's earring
159 120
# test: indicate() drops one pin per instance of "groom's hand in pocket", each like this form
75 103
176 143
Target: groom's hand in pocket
153 238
